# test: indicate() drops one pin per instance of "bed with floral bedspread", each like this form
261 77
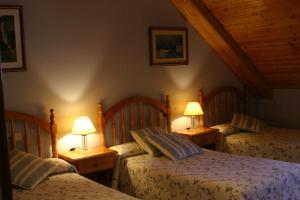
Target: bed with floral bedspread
67 185
211 175
273 143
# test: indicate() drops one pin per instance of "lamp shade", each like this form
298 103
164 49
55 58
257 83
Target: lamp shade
193 108
83 126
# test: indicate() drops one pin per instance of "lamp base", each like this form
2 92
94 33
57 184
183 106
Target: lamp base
84 142
193 122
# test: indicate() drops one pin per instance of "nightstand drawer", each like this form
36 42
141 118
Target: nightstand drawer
96 164
205 139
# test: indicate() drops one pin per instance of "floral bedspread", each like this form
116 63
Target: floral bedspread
69 186
124 151
211 175
273 143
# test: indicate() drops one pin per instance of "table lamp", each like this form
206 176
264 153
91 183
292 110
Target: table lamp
193 109
83 126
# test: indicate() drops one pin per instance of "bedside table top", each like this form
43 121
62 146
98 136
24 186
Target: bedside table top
79 154
197 131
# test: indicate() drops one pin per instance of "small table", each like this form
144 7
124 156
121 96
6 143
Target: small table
204 137
94 163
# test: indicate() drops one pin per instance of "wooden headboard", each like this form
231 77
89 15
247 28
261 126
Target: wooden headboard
25 120
129 114
220 103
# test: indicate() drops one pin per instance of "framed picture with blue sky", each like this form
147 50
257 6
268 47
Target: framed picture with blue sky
168 46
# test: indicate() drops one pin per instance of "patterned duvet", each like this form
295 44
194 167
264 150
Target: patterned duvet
69 186
211 175
273 143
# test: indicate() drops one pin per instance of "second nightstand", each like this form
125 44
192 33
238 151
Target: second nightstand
204 137
90 162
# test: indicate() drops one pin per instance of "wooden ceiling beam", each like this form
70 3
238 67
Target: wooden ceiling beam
204 22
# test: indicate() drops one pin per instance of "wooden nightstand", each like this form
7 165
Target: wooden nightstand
204 137
94 163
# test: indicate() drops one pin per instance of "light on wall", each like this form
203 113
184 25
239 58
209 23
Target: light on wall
193 109
83 126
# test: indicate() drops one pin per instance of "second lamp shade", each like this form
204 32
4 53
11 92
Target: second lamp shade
193 108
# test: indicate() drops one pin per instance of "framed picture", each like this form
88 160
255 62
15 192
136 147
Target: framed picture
11 41
168 46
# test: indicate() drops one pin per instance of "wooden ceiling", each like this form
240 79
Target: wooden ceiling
266 34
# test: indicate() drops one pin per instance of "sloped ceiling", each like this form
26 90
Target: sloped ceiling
267 33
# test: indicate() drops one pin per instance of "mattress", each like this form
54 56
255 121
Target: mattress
211 175
69 186
272 143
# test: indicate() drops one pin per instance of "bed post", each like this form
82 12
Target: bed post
5 179
100 124
53 132
200 100
168 113
246 96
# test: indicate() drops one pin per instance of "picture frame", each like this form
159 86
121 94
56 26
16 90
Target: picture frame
11 38
168 46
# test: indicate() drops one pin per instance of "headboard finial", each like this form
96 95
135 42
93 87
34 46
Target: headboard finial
168 100
200 100
168 113
101 124
100 108
200 97
52 115
53 132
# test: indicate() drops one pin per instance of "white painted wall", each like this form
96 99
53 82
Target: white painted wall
79 52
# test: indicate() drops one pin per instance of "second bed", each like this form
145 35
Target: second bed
219 106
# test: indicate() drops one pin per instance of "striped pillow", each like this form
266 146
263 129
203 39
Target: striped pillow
140 137
174 146
27 170
247 123
61 166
